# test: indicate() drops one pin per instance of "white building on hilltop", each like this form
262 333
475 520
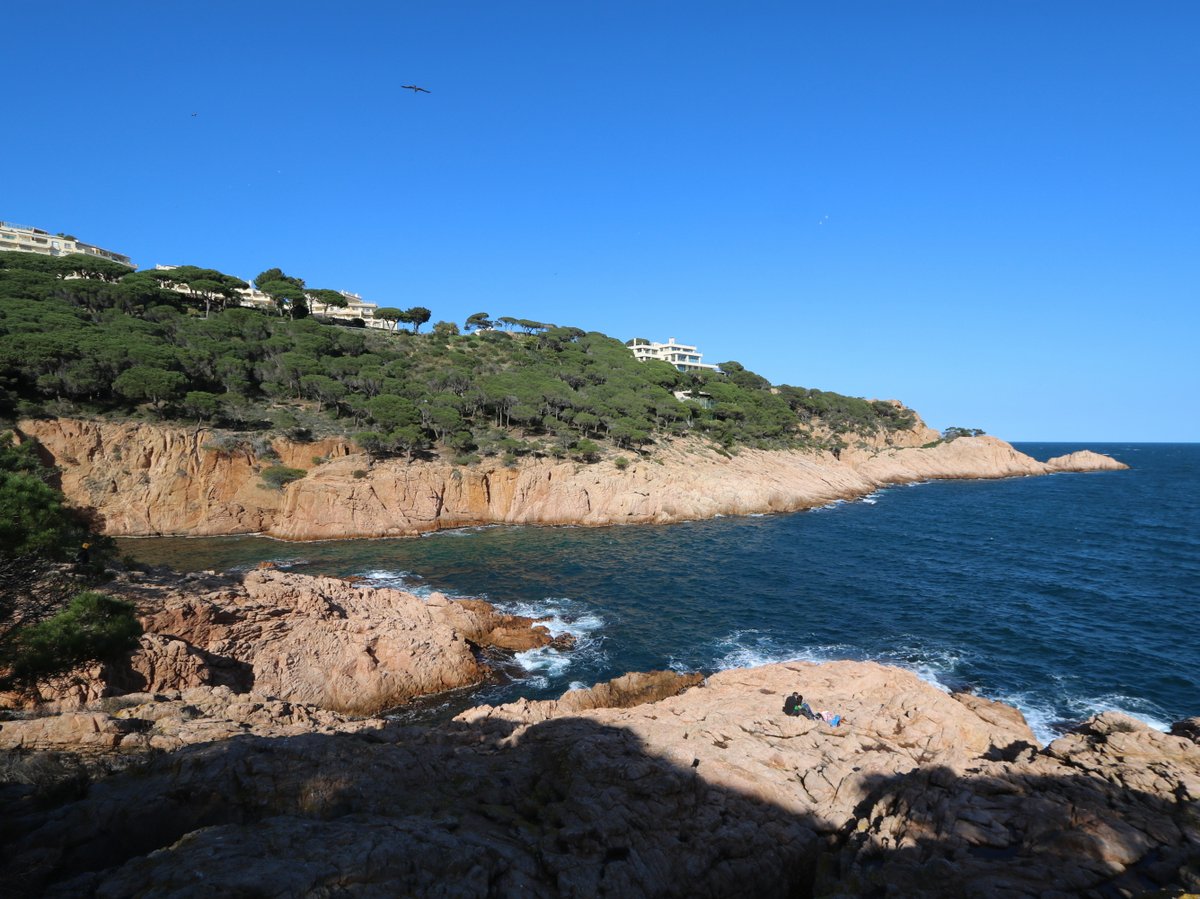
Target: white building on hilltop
356 307
680 355
27 239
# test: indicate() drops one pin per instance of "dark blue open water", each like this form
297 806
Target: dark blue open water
1063 595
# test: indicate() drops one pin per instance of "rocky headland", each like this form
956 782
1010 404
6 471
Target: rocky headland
246 747
151 480
327 642
229 755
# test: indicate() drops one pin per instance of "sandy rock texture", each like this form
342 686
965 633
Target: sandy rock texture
319 641
144 722
149 480
1085 460
712 791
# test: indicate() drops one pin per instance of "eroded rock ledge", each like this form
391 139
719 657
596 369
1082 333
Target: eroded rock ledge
320 641
712 791
148 480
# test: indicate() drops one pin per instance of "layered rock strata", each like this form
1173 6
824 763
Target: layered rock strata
148 480
710 792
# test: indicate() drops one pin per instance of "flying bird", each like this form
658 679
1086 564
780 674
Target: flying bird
415 89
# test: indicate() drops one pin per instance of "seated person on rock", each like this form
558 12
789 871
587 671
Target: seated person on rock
795 706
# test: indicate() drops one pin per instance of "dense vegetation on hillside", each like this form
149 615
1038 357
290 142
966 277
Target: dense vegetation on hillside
79 336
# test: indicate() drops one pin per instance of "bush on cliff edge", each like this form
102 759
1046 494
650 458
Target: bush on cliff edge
34 520
47 626
92 628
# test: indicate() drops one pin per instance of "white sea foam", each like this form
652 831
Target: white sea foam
544 660
929 674
751 648
934 665
461 532
409 582
830 505
1132 706
559 615
1043 720
1049 721
278 563
396 579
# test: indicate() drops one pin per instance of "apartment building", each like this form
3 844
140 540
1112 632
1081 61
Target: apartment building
356 307
27 239
680 355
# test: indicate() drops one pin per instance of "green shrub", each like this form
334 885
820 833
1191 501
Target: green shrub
359 473
263 448
94 627
587 450
953 433
277 476
621 462
532 381
34 519
225 444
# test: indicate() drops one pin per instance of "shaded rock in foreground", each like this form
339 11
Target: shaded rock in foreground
712 792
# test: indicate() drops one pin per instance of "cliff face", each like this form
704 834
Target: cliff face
148 480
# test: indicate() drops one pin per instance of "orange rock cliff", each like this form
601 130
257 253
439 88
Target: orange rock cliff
152 480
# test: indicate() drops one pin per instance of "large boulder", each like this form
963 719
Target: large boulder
330 643
1085 460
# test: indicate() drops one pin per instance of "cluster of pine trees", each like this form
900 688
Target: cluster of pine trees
84 336
51 620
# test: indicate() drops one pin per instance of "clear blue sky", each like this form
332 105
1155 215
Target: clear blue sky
988 210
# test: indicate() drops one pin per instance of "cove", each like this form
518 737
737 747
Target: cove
1063 595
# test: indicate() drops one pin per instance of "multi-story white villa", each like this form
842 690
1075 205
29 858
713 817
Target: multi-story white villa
27 239
356 307
247 296
682 356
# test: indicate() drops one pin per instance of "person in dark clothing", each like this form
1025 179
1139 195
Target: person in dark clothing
795 706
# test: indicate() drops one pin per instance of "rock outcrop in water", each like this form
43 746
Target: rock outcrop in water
630 790
148 480
306 640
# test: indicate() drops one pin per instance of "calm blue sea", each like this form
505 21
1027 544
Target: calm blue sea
1063 595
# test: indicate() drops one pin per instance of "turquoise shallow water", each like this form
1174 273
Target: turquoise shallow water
1064 595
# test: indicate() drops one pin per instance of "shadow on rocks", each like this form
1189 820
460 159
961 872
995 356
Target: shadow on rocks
570 807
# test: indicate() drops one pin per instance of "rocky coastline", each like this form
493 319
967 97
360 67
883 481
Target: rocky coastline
157 480
239 746
251 740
